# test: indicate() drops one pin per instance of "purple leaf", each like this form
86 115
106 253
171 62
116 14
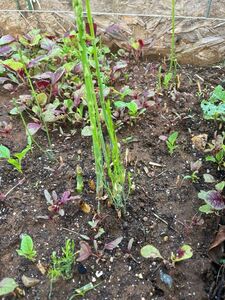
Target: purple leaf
33 128
65 197
6 39
8 86
130 244
120 65
85 251
57 75
163 138
4 50
54 196
48 197
78 68
46 75
112 245
47 44
3 80
42 84
2 196
214 198
34 62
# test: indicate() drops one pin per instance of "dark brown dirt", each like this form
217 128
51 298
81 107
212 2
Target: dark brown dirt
161 210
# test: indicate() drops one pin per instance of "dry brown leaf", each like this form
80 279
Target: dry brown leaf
41 268
216 249
91 184
85 207
200 141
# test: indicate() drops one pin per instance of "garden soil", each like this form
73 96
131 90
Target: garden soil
162 210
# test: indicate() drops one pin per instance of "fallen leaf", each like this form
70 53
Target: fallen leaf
85 251
200 141
41 268
112 245
216 251
91 184
84 207
150 251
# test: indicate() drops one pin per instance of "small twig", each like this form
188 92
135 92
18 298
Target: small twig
164 221
155 164
72 231
19 183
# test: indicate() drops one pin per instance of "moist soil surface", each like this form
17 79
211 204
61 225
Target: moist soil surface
162 210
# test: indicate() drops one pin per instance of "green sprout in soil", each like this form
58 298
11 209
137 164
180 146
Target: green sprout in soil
16 159
108 155
214 199
171 142
39 98
183 253
194 171
214 107
62 266
27 248
217 150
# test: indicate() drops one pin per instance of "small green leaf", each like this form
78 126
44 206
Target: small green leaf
150 251
27 247
7 286
15 163
133 108
120 104
220 186
21 155
206 209
12 64
27 244
86 131
173 137
4 152
42 99
183 253
208 178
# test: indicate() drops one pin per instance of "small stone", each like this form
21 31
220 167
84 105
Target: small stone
29 281
98 274
140 276
145 219
166 238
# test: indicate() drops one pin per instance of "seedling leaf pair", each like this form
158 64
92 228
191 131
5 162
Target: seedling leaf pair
183 253
7 286
27 248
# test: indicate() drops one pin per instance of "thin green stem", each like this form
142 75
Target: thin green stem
34 94
26 128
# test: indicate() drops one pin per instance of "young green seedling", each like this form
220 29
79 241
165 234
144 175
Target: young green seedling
183 253
62 266
27 248
16 159
194 169
214 199
171 142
